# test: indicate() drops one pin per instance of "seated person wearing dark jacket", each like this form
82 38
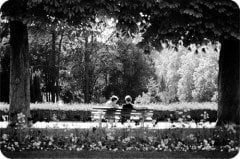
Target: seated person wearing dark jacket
127 109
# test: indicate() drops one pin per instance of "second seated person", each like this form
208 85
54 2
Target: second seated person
127 109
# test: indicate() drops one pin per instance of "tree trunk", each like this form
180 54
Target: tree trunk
35 91
5 76
19 72
228 83
86 84
58 71
53 67
32 91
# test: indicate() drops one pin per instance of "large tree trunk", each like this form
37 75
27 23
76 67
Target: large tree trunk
5 76
19 72
228 83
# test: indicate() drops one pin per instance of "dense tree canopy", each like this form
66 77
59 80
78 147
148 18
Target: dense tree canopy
158 20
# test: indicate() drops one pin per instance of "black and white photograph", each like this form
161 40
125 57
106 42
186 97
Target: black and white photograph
119 79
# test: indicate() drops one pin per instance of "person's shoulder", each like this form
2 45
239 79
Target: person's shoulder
108 103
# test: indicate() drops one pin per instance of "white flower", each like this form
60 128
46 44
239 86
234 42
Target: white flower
180 119
150 138
126 140
79 149
37 144
212 142
230 127
4 136
205 142
115 149
99 143
110 137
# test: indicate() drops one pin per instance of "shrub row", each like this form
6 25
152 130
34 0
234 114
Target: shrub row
196 115
57 115
158 115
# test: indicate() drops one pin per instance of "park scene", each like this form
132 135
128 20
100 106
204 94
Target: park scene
119 78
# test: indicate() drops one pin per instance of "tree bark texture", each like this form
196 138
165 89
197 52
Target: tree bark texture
19 71
228 83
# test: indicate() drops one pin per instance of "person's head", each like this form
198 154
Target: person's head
114 99
128 99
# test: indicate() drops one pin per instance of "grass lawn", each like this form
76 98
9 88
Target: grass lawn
94 154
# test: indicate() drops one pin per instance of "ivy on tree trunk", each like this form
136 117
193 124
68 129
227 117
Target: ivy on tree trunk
19 72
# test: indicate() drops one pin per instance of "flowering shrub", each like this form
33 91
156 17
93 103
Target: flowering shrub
21 120
191 140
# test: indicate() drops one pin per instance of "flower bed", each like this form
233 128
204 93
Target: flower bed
180 140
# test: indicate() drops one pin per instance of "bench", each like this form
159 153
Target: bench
139 115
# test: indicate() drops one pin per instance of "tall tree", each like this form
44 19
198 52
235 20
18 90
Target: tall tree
194 21
19 61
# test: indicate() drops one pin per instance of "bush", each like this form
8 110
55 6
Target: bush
190 115
51 115
144 99
168 97
57 115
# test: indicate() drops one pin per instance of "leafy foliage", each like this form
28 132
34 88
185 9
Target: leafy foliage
185 74
191 21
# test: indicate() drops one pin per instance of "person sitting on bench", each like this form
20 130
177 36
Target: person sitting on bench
112 105
127 109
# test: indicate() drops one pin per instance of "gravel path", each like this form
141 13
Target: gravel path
85 125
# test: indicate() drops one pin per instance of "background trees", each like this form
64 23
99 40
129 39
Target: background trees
184 74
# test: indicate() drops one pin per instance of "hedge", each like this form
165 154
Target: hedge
57 115
85 115
196 115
